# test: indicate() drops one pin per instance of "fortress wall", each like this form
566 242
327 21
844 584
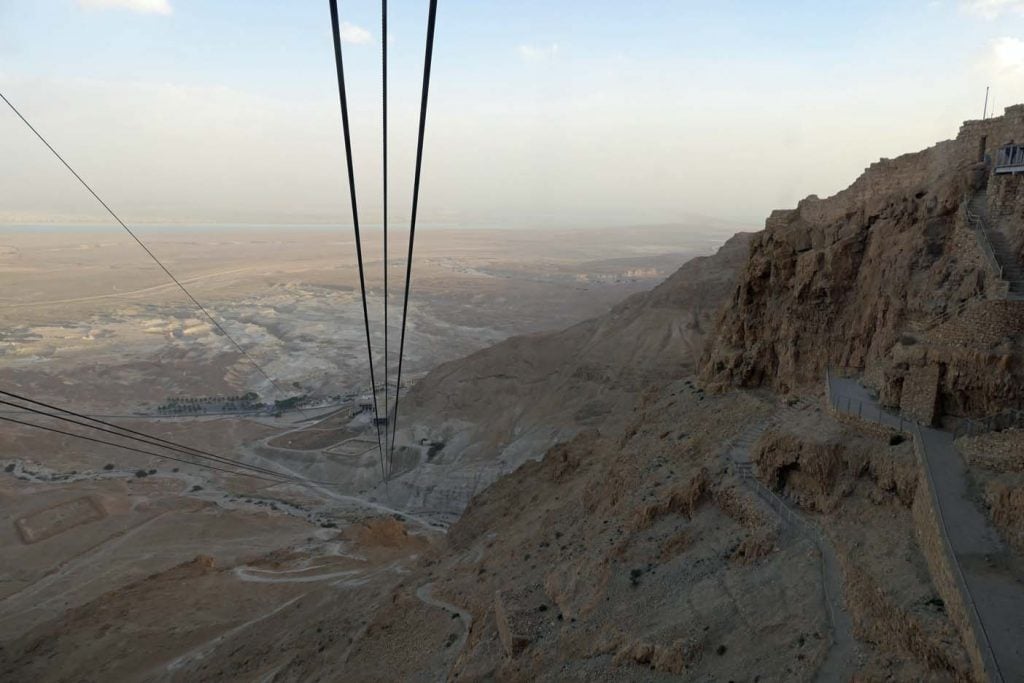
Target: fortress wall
997 131
985 324
943 567
945 574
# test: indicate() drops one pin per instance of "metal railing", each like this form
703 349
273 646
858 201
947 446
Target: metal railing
772 499
1009 157
977 223
810 531
990 663
864 410
1008 419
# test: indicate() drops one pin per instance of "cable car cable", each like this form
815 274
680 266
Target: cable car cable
431 20
343 100
148 251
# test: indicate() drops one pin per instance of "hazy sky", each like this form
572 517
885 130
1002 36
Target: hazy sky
571 112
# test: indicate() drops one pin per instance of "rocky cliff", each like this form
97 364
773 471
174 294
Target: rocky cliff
865 281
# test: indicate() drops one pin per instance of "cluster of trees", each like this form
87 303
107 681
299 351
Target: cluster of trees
200 404
289 403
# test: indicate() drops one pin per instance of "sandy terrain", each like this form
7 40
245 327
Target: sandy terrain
92 532
87 317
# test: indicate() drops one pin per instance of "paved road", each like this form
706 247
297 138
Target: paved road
4 303
985 561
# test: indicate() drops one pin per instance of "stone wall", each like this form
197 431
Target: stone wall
985 325
996 131
943 566
1000 452
980 350
945 574
1005 198
1004 195
966 244
517 618
920 396
1006 208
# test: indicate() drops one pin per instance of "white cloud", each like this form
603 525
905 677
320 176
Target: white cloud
1001 66
1004 57
141 6
538 53
991 9
354 35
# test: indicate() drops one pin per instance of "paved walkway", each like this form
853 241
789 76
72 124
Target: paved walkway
839 665
985 561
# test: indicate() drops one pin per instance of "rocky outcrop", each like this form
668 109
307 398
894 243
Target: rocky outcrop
818 473
877 618
844 281
632 555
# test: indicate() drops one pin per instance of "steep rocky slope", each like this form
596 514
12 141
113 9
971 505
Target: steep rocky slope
890 279
487 413
640 555
633 554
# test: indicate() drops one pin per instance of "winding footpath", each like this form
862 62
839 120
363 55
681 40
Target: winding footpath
984 560
426 597
839 664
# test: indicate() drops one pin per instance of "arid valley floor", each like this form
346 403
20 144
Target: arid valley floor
87 322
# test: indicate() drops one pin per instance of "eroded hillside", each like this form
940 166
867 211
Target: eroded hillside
487 413
636 554
890 278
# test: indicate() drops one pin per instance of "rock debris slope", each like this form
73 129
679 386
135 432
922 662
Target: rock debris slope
487 413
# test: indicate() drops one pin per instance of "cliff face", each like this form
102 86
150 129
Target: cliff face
855 280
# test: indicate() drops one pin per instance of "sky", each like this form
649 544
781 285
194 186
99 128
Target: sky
573 113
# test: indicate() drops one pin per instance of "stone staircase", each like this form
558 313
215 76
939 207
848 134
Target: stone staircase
1013 272
995 245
